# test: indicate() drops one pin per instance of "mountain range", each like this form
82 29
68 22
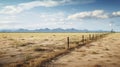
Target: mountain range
51 30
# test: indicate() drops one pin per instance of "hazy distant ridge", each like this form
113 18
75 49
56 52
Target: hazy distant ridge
51 30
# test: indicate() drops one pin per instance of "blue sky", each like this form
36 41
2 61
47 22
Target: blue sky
78 14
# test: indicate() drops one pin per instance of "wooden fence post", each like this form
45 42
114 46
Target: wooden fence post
83 39
68 43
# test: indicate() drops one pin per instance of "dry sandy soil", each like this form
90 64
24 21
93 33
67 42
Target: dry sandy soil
31 48
102 53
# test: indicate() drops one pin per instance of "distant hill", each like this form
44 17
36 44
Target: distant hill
51 30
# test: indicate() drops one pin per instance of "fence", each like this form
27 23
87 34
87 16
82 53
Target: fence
87 39
84 41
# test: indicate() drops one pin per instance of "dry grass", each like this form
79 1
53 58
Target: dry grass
32 49
101 53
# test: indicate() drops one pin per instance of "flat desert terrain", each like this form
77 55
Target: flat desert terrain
102 53
31 49
17 49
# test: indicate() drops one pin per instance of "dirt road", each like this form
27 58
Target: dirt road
102 53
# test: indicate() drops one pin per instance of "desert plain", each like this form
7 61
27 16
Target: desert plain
31 49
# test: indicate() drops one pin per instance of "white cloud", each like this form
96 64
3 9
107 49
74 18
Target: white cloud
81 1
89 14
7 19
116 14
42 20
57 17
10 10
14 9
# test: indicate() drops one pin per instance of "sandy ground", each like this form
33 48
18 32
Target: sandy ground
21 47
102 53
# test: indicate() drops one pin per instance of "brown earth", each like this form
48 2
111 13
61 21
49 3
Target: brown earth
21 49
102 53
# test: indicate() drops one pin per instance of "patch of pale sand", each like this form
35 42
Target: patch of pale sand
103 53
